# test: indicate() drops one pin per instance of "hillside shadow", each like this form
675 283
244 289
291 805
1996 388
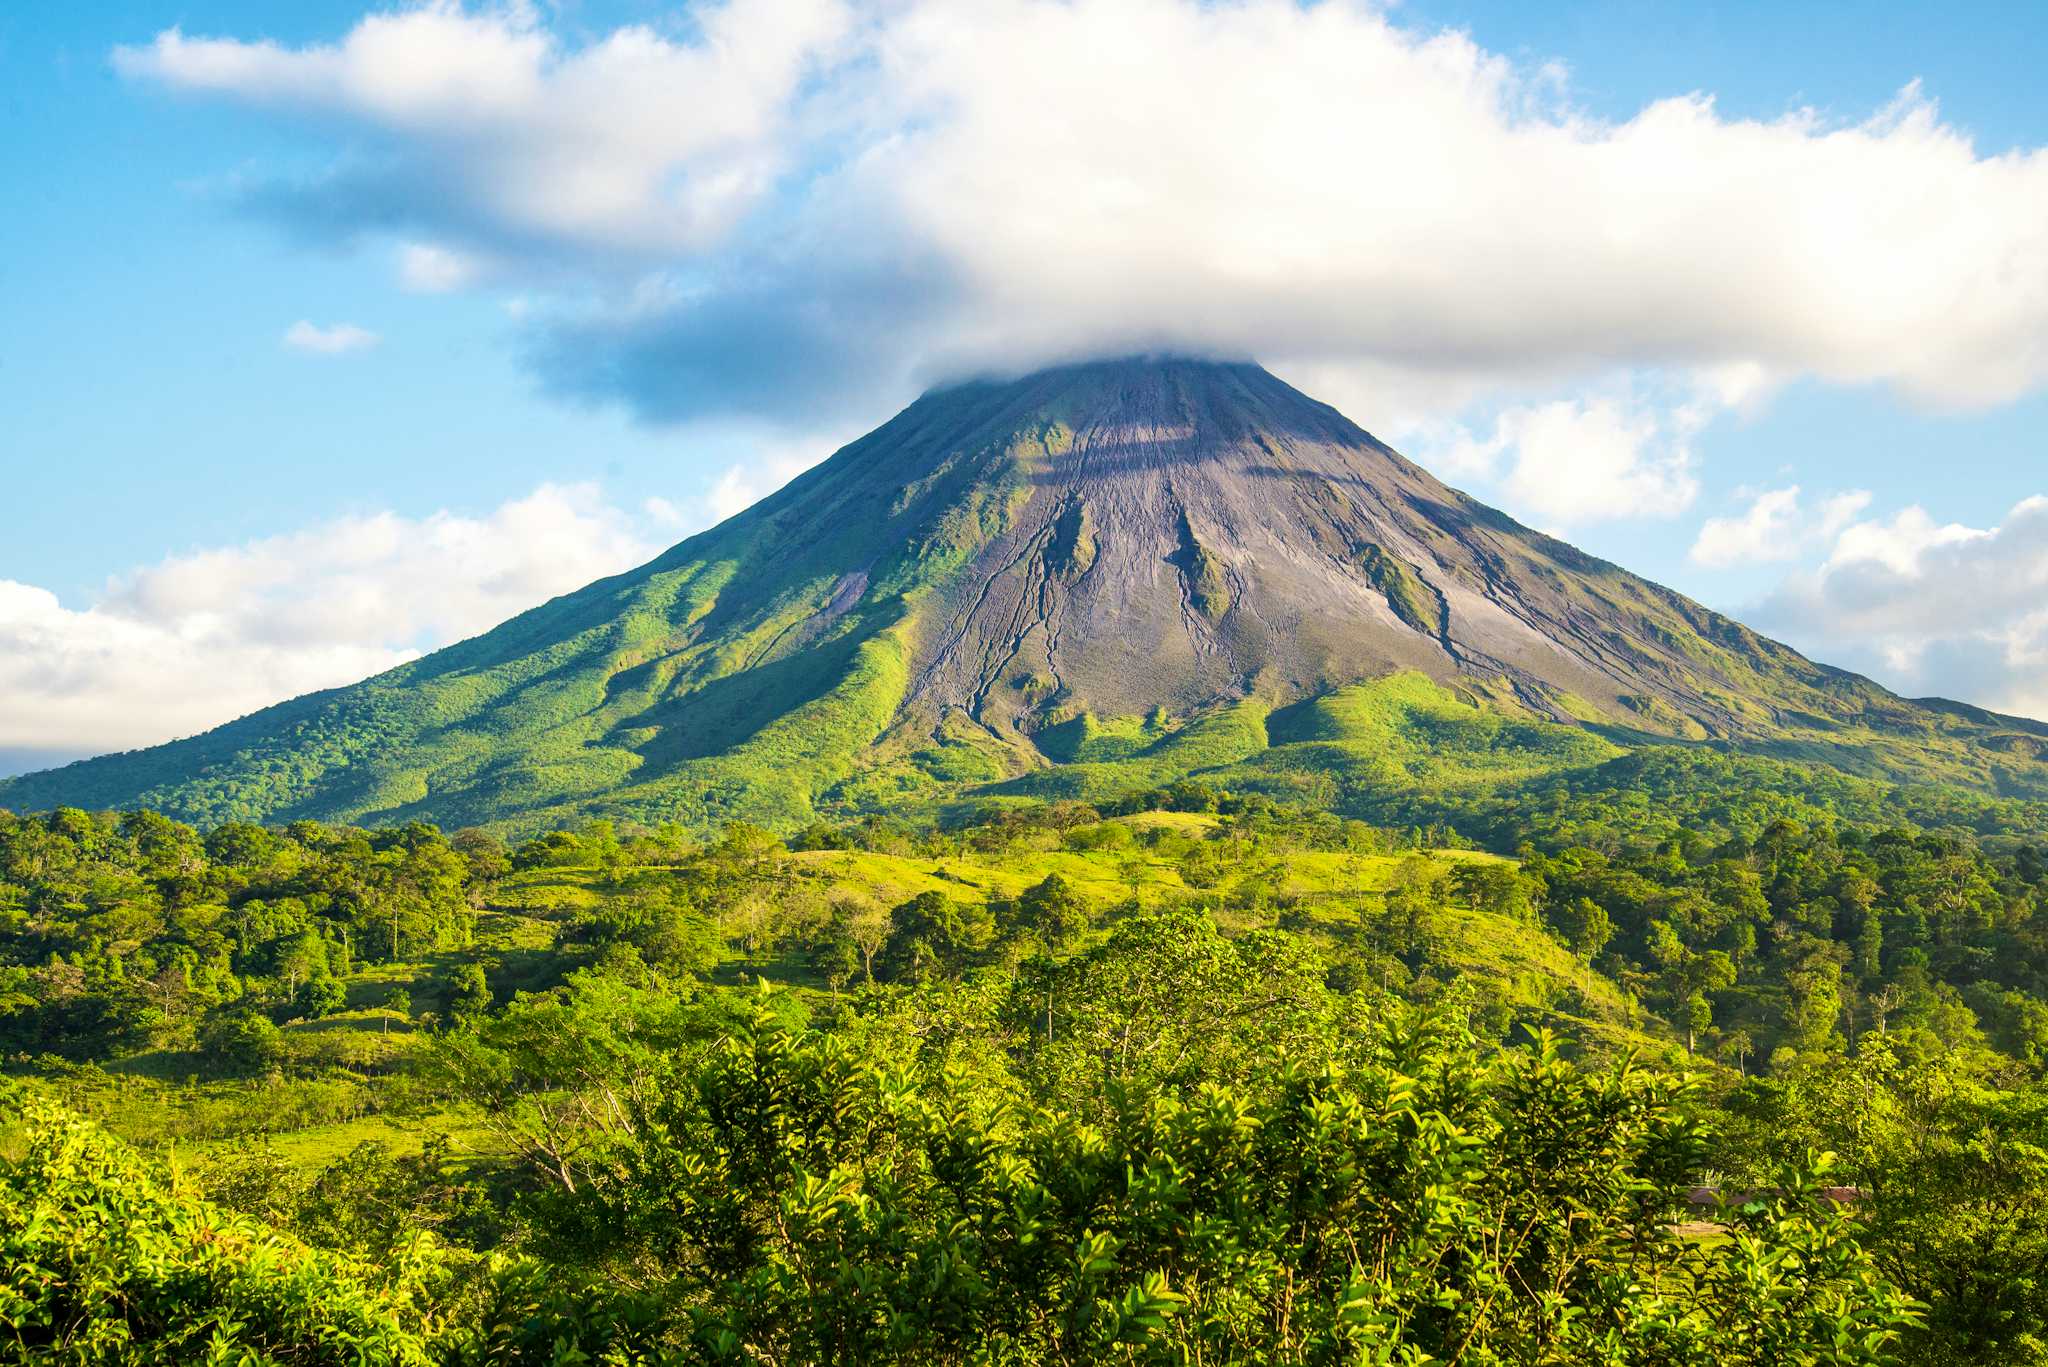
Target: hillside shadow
716 716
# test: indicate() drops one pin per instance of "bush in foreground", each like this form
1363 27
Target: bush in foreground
798 1197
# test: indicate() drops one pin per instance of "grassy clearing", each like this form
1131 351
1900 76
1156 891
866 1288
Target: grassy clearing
1154 859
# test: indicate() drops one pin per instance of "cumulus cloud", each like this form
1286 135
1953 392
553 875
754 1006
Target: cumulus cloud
79 682
1573 461
1776 527
494 128
1766 532
851 199
1930 607
337 340
200 638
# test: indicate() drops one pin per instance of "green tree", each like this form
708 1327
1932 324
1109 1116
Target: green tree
466 991
1953 1178
933 935
835 958
241 1042
1417 892
1167 997
551 1073
1738 1045
318 996
101 1262
1496 888
1054 910
396 1001
1585 926
1814 1002
858 920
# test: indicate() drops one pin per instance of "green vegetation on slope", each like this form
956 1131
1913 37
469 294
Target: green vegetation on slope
410 1054
1411 602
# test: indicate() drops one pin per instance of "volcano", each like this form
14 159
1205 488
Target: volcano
1079 567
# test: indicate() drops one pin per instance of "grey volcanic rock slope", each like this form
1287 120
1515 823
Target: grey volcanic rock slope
1114 539
1192 532
1187 532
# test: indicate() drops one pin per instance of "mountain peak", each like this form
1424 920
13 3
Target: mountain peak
1100 544
1176 390
1133 368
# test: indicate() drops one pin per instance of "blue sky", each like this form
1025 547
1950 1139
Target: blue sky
153 401
184 484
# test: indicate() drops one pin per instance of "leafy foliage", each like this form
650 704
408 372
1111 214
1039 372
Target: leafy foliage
1188 1075
1954 1175
101 1263
793 1196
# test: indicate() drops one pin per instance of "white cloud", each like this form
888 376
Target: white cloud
854 197
1932 608
426 268
1573 461
1838 511
200 638
338 340
1768 531
1900 546
1775 528
774 462
83 682
632 141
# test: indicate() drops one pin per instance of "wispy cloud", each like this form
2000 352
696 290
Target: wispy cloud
338 339
1592 458
427 268
1776 527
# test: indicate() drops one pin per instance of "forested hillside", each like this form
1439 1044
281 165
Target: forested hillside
1180 1074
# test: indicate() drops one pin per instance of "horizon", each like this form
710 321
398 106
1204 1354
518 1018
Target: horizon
390 366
